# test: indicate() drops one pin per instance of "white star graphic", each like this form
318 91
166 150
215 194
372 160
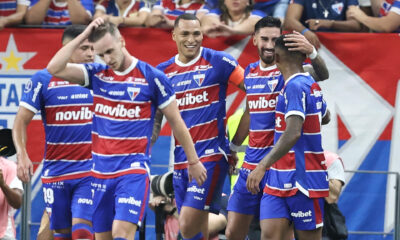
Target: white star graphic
12 60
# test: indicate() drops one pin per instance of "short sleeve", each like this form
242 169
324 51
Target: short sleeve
89 70
234 73
24 2
163 93
336 171
32 95
16 184
295 98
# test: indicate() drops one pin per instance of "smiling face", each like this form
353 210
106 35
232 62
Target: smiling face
264 39
109 49
188 38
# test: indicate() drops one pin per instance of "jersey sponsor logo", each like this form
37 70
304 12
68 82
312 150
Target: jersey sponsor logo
161 87
28 86
199 78
80 96
103 77
133 92
83 114
196 189
85 201
130 200
171 74
36 91
262 103
232 62
62 97
116 93
183 83
258 86
117 111
301 214
189 99
253 74
278 121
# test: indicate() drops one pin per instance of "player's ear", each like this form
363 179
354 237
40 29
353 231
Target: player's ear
173 34
122 39
254 39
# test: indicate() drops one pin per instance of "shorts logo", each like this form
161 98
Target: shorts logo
85 201
131 201
196 189
301 214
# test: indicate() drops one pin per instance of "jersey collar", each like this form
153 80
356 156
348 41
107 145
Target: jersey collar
181 64
130 68
295 75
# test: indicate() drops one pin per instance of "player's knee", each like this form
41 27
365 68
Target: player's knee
82 231
186 229
229 233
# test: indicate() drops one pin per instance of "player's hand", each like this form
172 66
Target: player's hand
198 172
298 43
93 25
232 161
156 201
254 179
24 167
315 24
312 38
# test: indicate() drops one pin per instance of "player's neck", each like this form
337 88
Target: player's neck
128 59
290 69
266 65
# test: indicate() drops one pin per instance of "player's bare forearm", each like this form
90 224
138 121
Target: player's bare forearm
287 140
335 187
320 70
22 119
17 17
156 126
326 118
243 129
293 15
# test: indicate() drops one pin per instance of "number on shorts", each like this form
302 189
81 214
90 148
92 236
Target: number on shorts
48 195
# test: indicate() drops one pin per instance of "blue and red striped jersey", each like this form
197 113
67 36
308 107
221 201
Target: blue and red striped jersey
124 108
303 168
200 87
262 89
66 111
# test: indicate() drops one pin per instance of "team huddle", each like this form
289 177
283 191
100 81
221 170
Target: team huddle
96 166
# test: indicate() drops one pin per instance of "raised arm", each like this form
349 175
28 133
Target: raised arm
195 167
59 66
288 139
24 163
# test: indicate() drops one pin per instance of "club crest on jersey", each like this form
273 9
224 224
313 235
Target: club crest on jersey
133 92
338 7
199 78
272 84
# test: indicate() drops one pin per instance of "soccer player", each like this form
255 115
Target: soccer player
66 111
296 184
200 78
126 94
263 82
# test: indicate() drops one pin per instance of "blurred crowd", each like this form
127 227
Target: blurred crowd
218 17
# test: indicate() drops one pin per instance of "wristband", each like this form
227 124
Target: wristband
304 31
314 54
234 147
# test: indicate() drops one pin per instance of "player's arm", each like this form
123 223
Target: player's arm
24 164
297 42
156 126
326 118
59 66
178 126
13 195
294 125
78 13
335 188
237 77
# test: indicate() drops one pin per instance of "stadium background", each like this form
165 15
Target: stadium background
363 94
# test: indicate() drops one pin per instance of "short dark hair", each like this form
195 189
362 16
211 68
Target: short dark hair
185 16
292 56
268 21
72 31
102 30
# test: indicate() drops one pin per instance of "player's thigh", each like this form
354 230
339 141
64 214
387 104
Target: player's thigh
82 200
238 225
57 197
315 234
274 228
192 218
131 198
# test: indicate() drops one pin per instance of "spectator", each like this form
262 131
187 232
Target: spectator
232 18
59 12
12 12
275 8
320 15
165 12
123 12
389 20
11 187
